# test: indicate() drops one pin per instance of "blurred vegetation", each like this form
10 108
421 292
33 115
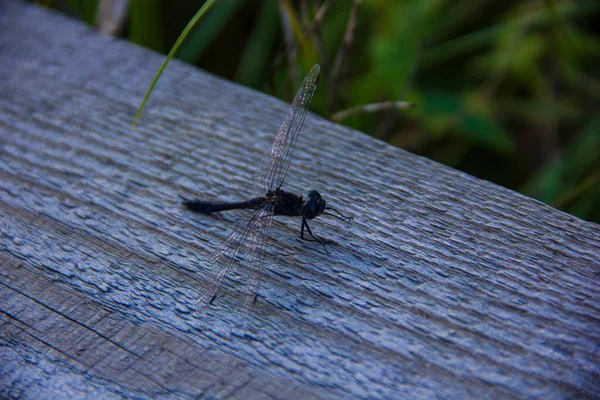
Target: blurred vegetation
508 91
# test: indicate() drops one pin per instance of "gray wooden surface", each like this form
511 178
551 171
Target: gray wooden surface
443 286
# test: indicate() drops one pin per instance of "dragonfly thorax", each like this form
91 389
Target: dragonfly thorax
313 205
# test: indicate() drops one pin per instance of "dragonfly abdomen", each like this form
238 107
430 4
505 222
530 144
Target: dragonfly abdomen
207 207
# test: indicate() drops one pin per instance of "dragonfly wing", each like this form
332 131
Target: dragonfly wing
255 247
248 230
278 163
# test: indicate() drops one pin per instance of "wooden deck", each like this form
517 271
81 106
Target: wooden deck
443 286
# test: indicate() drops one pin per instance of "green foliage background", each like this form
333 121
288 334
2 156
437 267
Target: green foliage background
508 91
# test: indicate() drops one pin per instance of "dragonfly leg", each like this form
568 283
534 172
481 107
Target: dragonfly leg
339 215
314 238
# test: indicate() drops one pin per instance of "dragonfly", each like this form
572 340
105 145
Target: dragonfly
246 244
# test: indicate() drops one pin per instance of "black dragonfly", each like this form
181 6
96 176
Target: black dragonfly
246 243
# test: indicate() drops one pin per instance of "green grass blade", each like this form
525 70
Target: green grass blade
202 37
260 43
146 24
193 22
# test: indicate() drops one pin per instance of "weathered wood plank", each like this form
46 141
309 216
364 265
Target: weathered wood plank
443 285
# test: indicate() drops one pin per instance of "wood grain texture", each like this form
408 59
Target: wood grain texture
444 285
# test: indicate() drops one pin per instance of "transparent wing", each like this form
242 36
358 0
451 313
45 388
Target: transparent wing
277 166
255 248
251 232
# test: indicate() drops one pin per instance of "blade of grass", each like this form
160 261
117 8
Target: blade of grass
256 53
146 25
186 31
342 53
85 10
202 37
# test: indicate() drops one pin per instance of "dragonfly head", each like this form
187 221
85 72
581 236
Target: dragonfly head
313 205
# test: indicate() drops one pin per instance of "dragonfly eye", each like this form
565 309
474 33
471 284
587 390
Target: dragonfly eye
322 205
313 206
